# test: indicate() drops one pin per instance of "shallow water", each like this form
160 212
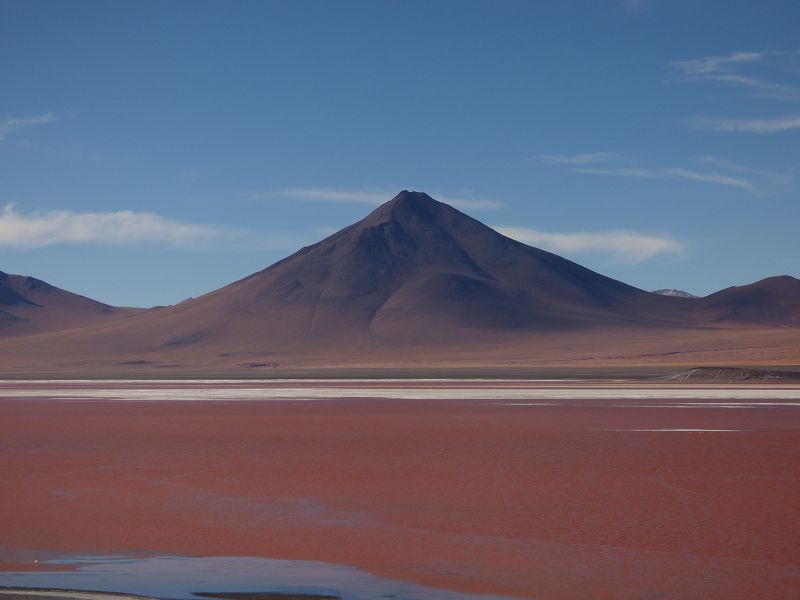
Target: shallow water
179 577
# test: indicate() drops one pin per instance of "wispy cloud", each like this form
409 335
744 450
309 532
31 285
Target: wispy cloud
748 125
622 246
622 172
775 178
12 124
728 70
578 159
47 228
714 178
675 173
768 89
714 65
771 75
373 197
577 166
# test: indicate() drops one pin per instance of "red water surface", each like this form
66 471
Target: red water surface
544 502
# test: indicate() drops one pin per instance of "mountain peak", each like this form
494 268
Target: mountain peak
418 212
406 197
406 204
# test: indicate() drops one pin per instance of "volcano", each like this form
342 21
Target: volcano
414 271
417 275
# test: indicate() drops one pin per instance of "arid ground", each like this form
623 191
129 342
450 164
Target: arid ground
555 491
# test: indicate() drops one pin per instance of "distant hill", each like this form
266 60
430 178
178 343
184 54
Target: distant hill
773 301
675 293
30 306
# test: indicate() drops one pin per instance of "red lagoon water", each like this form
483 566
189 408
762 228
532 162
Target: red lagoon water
568 498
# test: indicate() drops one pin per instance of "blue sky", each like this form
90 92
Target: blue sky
152 151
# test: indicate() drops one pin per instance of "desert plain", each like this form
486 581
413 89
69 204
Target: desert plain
537 489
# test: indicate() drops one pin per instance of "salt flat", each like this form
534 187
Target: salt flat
233 390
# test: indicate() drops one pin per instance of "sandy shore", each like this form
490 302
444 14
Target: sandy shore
564 499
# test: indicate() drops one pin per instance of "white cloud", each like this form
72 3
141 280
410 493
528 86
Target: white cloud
622 172
584 163
772 68
675 173
724 163
622 246
773 178
374 197
712 65
578 159
728 70
769 89
46 228
766 125
716 178
14 123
